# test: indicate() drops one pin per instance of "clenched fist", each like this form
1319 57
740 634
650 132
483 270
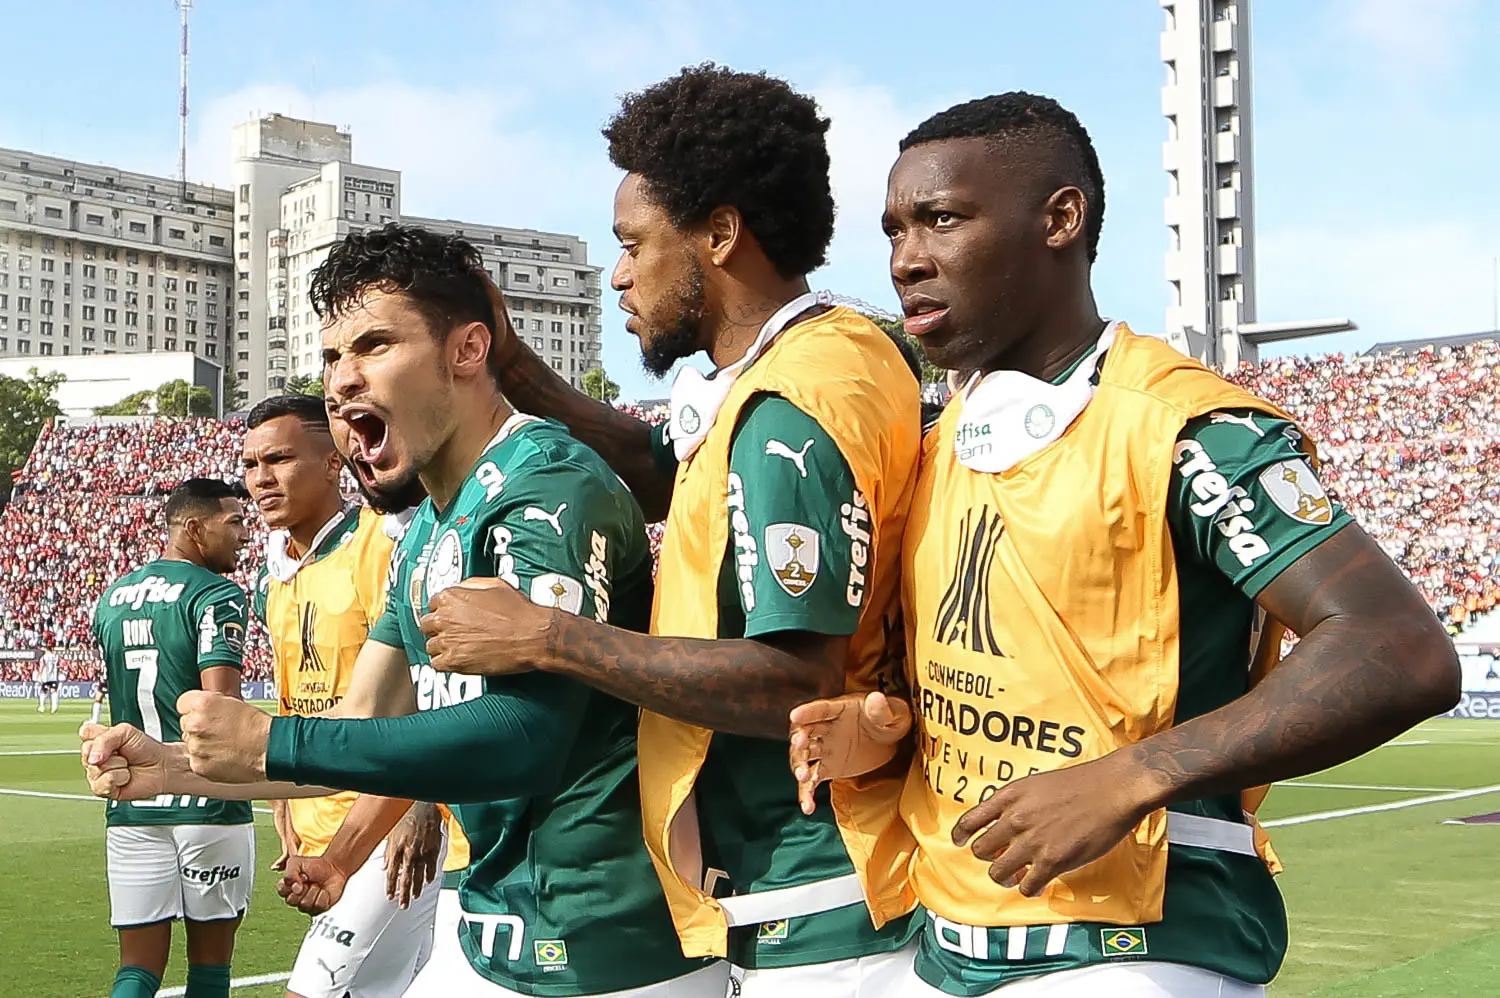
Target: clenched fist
225 738
484 627
312 884
123 762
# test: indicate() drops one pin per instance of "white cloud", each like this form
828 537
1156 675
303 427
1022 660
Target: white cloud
1395 281
466 154
866 125
1409 38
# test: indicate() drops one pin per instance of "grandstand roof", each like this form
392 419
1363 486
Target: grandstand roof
1436 343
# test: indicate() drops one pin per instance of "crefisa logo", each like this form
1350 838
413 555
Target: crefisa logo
211 876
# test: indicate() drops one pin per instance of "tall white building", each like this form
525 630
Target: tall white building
271 154
1210 263
99 260
552 290
315 214
95 260
298 192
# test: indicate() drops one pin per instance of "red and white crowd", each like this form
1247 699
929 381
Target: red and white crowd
1411 445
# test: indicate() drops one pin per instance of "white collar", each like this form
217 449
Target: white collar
279 561
1007 416
512 423
697 398
394 525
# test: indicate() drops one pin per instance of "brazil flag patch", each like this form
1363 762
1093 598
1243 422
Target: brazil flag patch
772 932
551 953
1122 942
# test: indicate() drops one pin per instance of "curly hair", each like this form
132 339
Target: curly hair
1029 118
443 276
710 137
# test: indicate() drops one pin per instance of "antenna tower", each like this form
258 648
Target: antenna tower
183 6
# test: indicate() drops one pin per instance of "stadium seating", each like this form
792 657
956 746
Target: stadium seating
1410 441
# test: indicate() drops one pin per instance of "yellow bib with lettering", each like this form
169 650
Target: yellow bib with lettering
317 622
1042 614
844 372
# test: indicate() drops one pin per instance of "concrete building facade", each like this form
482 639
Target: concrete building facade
299 192
95 260
1208 157
98 260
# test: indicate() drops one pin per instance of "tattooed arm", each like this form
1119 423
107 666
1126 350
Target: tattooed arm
744 686
622 440
1372 662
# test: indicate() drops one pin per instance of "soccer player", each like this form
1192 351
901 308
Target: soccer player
785 480
101 691
1106 541
48 675
560 897
172 626
321 589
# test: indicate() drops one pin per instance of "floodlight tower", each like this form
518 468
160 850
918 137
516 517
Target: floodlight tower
183 6
1210 205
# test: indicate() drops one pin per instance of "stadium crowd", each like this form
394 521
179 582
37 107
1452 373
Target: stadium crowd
1411 443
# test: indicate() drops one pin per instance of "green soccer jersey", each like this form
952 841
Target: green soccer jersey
560 897
1227 551
158 628
789 480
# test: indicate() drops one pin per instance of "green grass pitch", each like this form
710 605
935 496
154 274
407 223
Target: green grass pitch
1383 904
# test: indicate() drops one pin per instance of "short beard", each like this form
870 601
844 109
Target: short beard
226 567
681 338
395 498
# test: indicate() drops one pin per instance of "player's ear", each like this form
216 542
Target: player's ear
469 345
192 526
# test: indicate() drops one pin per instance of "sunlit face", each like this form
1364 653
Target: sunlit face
389 390
967 233
290 471
222 535
659 277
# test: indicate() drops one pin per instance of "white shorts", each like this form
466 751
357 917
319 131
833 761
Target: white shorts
880 975
1146 979
445 944
366 946
448 975
203 873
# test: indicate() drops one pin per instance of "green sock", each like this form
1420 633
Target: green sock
134 982
207 980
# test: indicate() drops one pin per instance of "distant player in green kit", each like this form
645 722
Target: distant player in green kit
560 898
170 627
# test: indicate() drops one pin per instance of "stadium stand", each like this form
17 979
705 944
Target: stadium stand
86 510
1410 441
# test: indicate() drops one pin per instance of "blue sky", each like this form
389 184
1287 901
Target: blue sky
1377 123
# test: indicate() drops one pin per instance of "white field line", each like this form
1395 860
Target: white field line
1369 786
58 751
1350 812
6 791
1410 743
238 982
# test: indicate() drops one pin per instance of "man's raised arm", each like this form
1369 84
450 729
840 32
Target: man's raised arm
622 440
